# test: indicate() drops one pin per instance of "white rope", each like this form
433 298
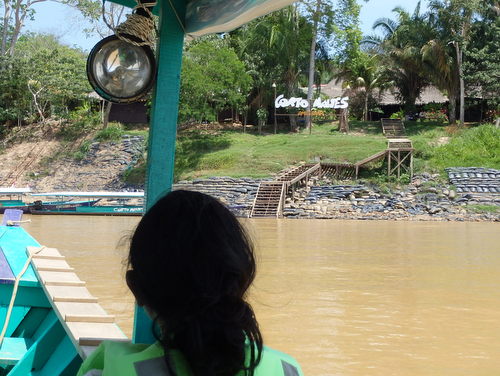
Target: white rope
140 26
13 223
14 293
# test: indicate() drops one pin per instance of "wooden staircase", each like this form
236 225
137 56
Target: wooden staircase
269 199
298 173
271 194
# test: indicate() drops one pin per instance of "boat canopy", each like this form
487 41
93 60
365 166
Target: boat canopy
91 194
219 16
14 191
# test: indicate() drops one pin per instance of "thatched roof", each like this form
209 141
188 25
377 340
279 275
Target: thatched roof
388 97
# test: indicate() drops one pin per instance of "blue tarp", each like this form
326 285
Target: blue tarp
216 16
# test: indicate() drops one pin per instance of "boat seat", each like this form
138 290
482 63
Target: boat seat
12 216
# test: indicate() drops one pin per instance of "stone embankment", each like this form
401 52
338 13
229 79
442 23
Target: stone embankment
423 199
237 193
101 168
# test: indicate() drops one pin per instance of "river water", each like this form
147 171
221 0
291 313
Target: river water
350 298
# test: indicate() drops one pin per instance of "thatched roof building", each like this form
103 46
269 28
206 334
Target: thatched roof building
388 97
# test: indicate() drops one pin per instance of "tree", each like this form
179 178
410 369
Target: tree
482 58
364 72
16 12
400 49
452 22
324 15
43 78
213 79
274 50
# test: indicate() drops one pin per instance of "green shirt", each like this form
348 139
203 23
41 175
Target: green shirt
127 359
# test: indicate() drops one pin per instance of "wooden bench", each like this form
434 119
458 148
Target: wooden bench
393 128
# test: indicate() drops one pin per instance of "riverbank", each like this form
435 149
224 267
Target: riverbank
425 199
45 162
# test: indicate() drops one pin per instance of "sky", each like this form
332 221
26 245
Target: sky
68 25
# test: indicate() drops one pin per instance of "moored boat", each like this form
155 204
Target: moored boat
100 203
13 198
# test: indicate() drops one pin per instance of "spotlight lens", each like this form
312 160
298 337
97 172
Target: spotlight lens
121 70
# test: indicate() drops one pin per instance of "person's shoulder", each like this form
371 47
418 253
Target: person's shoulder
287 364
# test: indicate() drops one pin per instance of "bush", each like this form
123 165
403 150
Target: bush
82 121
472 147
398 115
82 150
113 132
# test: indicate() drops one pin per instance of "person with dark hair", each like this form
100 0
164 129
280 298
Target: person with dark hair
190 266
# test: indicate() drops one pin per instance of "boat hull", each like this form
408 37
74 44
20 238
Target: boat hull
94 210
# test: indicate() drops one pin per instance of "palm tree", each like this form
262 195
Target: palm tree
400 51
364 74
451 21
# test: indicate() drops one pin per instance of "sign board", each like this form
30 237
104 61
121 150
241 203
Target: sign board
339 102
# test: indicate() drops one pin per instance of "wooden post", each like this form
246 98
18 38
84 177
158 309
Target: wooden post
163 126
411 165
399 163
389 156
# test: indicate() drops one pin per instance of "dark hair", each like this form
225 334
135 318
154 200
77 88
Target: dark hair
193 263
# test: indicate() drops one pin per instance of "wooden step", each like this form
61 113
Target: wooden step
86 323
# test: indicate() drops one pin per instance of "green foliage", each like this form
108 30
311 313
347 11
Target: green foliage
480 209
82 121
477 146
275 49
135 175
113 132
482 57
400 51
82 151
363 73
398 115
262 114
213 79
44 78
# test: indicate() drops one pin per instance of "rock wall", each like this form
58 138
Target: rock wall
100 169
237 193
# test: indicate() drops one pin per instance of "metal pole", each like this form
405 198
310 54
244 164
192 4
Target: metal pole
274 105
163 125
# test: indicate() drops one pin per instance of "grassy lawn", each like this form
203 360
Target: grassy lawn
203 153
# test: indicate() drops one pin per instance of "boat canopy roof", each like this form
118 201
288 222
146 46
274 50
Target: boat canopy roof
92 194
14 191
219 16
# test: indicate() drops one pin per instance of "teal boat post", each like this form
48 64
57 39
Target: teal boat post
163 125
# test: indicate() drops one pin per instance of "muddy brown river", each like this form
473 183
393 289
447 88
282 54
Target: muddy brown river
347 298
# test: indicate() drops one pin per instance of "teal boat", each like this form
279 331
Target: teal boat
40 339
103 203
50 320
13 198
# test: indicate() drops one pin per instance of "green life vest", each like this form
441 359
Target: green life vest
127 359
